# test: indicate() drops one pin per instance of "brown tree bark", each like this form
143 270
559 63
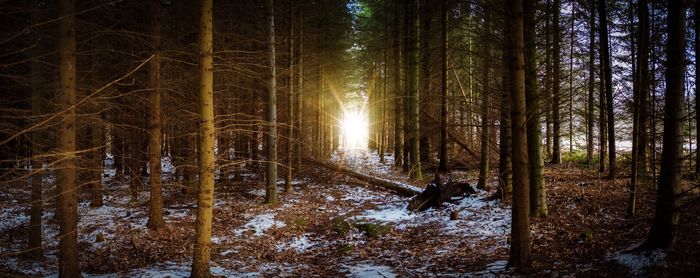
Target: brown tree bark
607 70
271 111
66 144
520 225
664 226
155 215
207 166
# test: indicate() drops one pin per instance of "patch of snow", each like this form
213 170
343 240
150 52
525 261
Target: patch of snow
330 198
299 244
636 262
365 270
387 214
11 218
259 224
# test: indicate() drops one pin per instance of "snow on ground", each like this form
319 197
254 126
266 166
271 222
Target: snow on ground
369 270
477 218
637 261
299 244
259 224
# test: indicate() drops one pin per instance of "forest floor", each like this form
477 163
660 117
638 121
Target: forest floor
331 225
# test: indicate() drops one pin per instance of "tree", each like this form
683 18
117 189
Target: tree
36 208
443 87
696 43
663 229
205 194
556 85
290 104
425 87
271 115
155 216
591 84
413 92
538 196
484 153
607 70
520 225
396 82
300 142
66 144
640 94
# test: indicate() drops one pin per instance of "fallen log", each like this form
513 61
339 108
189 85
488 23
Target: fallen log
438 192
399 188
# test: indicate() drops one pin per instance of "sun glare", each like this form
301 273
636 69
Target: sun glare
355 130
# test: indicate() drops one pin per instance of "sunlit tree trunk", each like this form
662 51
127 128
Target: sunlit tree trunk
205 194
538 196
155 216
66 143
520 226
271 115
664 226
605 56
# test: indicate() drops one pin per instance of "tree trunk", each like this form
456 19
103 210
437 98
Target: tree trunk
413 93
205 194
538 196
605 56
591 84
485 92
66 140
443 88
425 88
556 84
520 225
301 137
271 115
505 175
290 105
696 41
36 207
663 230
155 216
396 76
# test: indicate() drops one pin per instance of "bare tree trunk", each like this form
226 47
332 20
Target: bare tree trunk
398 95
290 105
66 144
538 195
520 225
155 216
301 136
484 153
556 84
605 56
664 226
205 194
696 41
443 88
425 88
271 115
36 207
591 84
413 111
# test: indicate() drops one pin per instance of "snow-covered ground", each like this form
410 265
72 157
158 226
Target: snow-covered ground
278 240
